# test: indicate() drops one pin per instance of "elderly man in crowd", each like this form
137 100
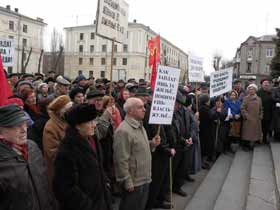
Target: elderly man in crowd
23 179
132 156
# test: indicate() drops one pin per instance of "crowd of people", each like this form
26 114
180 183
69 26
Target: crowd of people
80 144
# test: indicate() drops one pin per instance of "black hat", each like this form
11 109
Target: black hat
50 79
51 71
27 75
11 115
204 98
75 91
13 74
121 81
265 79
81 113
236 81
180 98
94 94
142 92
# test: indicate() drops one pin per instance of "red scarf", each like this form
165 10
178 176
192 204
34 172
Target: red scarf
21 148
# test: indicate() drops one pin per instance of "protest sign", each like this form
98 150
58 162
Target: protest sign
196 73
220 82
112 19
7 48
164 96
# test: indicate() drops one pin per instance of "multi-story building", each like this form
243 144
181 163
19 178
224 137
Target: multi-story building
253 57
91 55
27 33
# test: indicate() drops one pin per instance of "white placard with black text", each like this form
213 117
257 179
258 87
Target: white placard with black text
196 73
220 82
7 49
164 96
112 19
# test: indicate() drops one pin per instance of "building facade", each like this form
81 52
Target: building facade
50 60
91 55
27 33
253 58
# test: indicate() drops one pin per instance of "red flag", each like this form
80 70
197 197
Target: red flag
154 58
6 91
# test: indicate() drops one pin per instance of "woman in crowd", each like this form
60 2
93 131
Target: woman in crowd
219 128
54 130
30 103
77 95
43 91
251 111
232 106
205 133
112 111
123 96
80 181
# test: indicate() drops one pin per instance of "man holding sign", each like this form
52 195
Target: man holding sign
132 156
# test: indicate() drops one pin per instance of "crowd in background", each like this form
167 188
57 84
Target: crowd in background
98 146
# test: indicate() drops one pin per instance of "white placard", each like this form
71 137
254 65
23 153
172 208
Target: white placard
196 73
112 19
220 82
164 97
7 49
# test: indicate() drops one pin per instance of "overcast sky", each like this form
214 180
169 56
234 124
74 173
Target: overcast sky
203 27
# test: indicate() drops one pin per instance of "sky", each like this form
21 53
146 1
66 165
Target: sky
200 27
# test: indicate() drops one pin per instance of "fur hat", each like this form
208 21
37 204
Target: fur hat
81 113
59 103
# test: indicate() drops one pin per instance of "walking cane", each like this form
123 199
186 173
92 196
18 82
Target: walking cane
170 182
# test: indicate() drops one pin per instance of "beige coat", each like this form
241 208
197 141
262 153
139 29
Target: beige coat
54 132
252 113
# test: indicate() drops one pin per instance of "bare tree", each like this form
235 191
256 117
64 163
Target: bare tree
216 61
56 46
24 65
40 60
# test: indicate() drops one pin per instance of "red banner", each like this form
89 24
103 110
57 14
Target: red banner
154 57
4 86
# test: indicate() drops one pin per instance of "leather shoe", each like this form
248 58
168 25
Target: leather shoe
189 179
180 192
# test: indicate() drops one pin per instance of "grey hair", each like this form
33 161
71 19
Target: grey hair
130 104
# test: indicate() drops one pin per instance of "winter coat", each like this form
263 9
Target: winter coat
35 132
24 184
53 135
267 103
79 181
276 110
132 154
234 106
205 137
252 113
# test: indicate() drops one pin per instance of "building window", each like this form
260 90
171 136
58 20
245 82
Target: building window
250 54
103 61
11 25
102 74
90 74
24 29
269 52
10 70
24 42
90 61
91 48
80 61
125 48
115 48
115 61
124 61
92 35
249 67
81 48
104 48
11 37
81 36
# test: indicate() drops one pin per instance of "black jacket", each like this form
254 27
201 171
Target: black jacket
267 103
24 184
79 179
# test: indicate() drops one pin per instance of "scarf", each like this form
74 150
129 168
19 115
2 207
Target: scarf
19 148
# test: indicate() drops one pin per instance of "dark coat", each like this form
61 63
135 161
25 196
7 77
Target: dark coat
267 103
276 110
24 184
79 179
35 132
206 140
